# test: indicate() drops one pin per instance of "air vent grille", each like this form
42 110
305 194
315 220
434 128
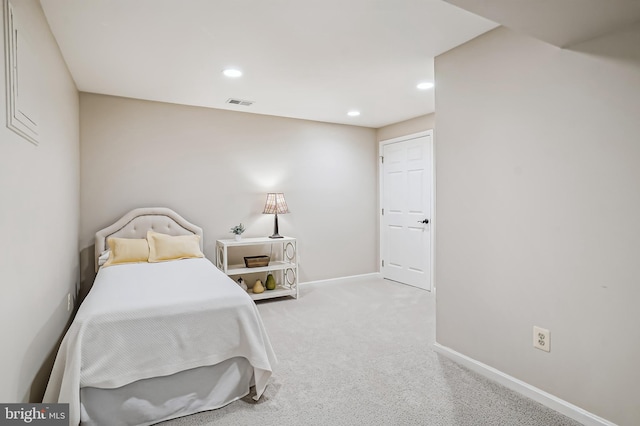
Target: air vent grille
242 102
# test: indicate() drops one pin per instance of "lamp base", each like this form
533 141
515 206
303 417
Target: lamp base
276 234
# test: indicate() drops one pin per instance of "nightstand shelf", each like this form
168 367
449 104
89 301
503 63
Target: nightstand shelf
284 264
277 265
279 291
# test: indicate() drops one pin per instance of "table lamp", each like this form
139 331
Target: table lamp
275 204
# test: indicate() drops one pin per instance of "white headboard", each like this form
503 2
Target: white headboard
136 223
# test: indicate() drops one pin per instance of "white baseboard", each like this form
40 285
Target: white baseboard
369 276
538 395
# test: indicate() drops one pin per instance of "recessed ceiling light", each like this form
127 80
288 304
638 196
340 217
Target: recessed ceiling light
424 85
232 72
353 113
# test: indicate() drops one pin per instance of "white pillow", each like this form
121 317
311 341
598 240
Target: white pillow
104 256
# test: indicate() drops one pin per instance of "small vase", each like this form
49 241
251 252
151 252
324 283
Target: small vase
238 237
242 284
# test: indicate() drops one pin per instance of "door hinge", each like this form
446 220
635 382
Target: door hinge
382 212
383 263
382 159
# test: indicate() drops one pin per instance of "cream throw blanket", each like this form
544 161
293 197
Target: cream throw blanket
146 320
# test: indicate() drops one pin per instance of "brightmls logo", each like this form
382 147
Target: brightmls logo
36 414
27 415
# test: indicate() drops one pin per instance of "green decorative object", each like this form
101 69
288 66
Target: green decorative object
238 229
271 282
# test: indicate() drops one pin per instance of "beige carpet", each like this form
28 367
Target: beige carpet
361 353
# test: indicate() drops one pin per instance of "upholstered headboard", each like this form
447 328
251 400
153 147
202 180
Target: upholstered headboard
136 223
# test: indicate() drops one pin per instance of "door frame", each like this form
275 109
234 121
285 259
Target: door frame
432 213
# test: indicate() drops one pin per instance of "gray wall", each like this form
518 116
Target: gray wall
407 127
215 168
39 216
538 213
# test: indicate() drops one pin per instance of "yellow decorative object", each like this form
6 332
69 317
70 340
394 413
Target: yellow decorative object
258 287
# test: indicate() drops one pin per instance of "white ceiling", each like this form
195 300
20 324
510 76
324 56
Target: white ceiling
559 22
308 59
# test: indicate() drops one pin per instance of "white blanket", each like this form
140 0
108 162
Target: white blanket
154 319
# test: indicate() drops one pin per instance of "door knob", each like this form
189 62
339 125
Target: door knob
424 221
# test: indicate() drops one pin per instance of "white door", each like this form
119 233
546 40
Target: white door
406 194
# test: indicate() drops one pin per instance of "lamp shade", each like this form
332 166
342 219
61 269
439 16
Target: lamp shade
275 204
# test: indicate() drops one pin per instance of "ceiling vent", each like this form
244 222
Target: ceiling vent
239 102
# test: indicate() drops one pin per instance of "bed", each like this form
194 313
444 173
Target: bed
156 341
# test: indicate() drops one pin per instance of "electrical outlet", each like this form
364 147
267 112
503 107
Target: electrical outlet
68 302
541 339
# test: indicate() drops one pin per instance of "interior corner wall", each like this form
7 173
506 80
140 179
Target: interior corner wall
215 167
407 127
538 206
39 217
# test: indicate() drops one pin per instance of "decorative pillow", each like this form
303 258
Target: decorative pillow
104 256
164 247
127 250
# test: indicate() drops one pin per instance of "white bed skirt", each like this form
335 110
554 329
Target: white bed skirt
150 401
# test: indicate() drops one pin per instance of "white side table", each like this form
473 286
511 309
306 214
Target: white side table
284 266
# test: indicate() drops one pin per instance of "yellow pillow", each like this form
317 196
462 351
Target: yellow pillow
164 247
127 250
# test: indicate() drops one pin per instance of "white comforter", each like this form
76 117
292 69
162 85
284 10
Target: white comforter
154 319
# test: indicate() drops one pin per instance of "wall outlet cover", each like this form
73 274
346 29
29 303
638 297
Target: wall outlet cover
541 339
